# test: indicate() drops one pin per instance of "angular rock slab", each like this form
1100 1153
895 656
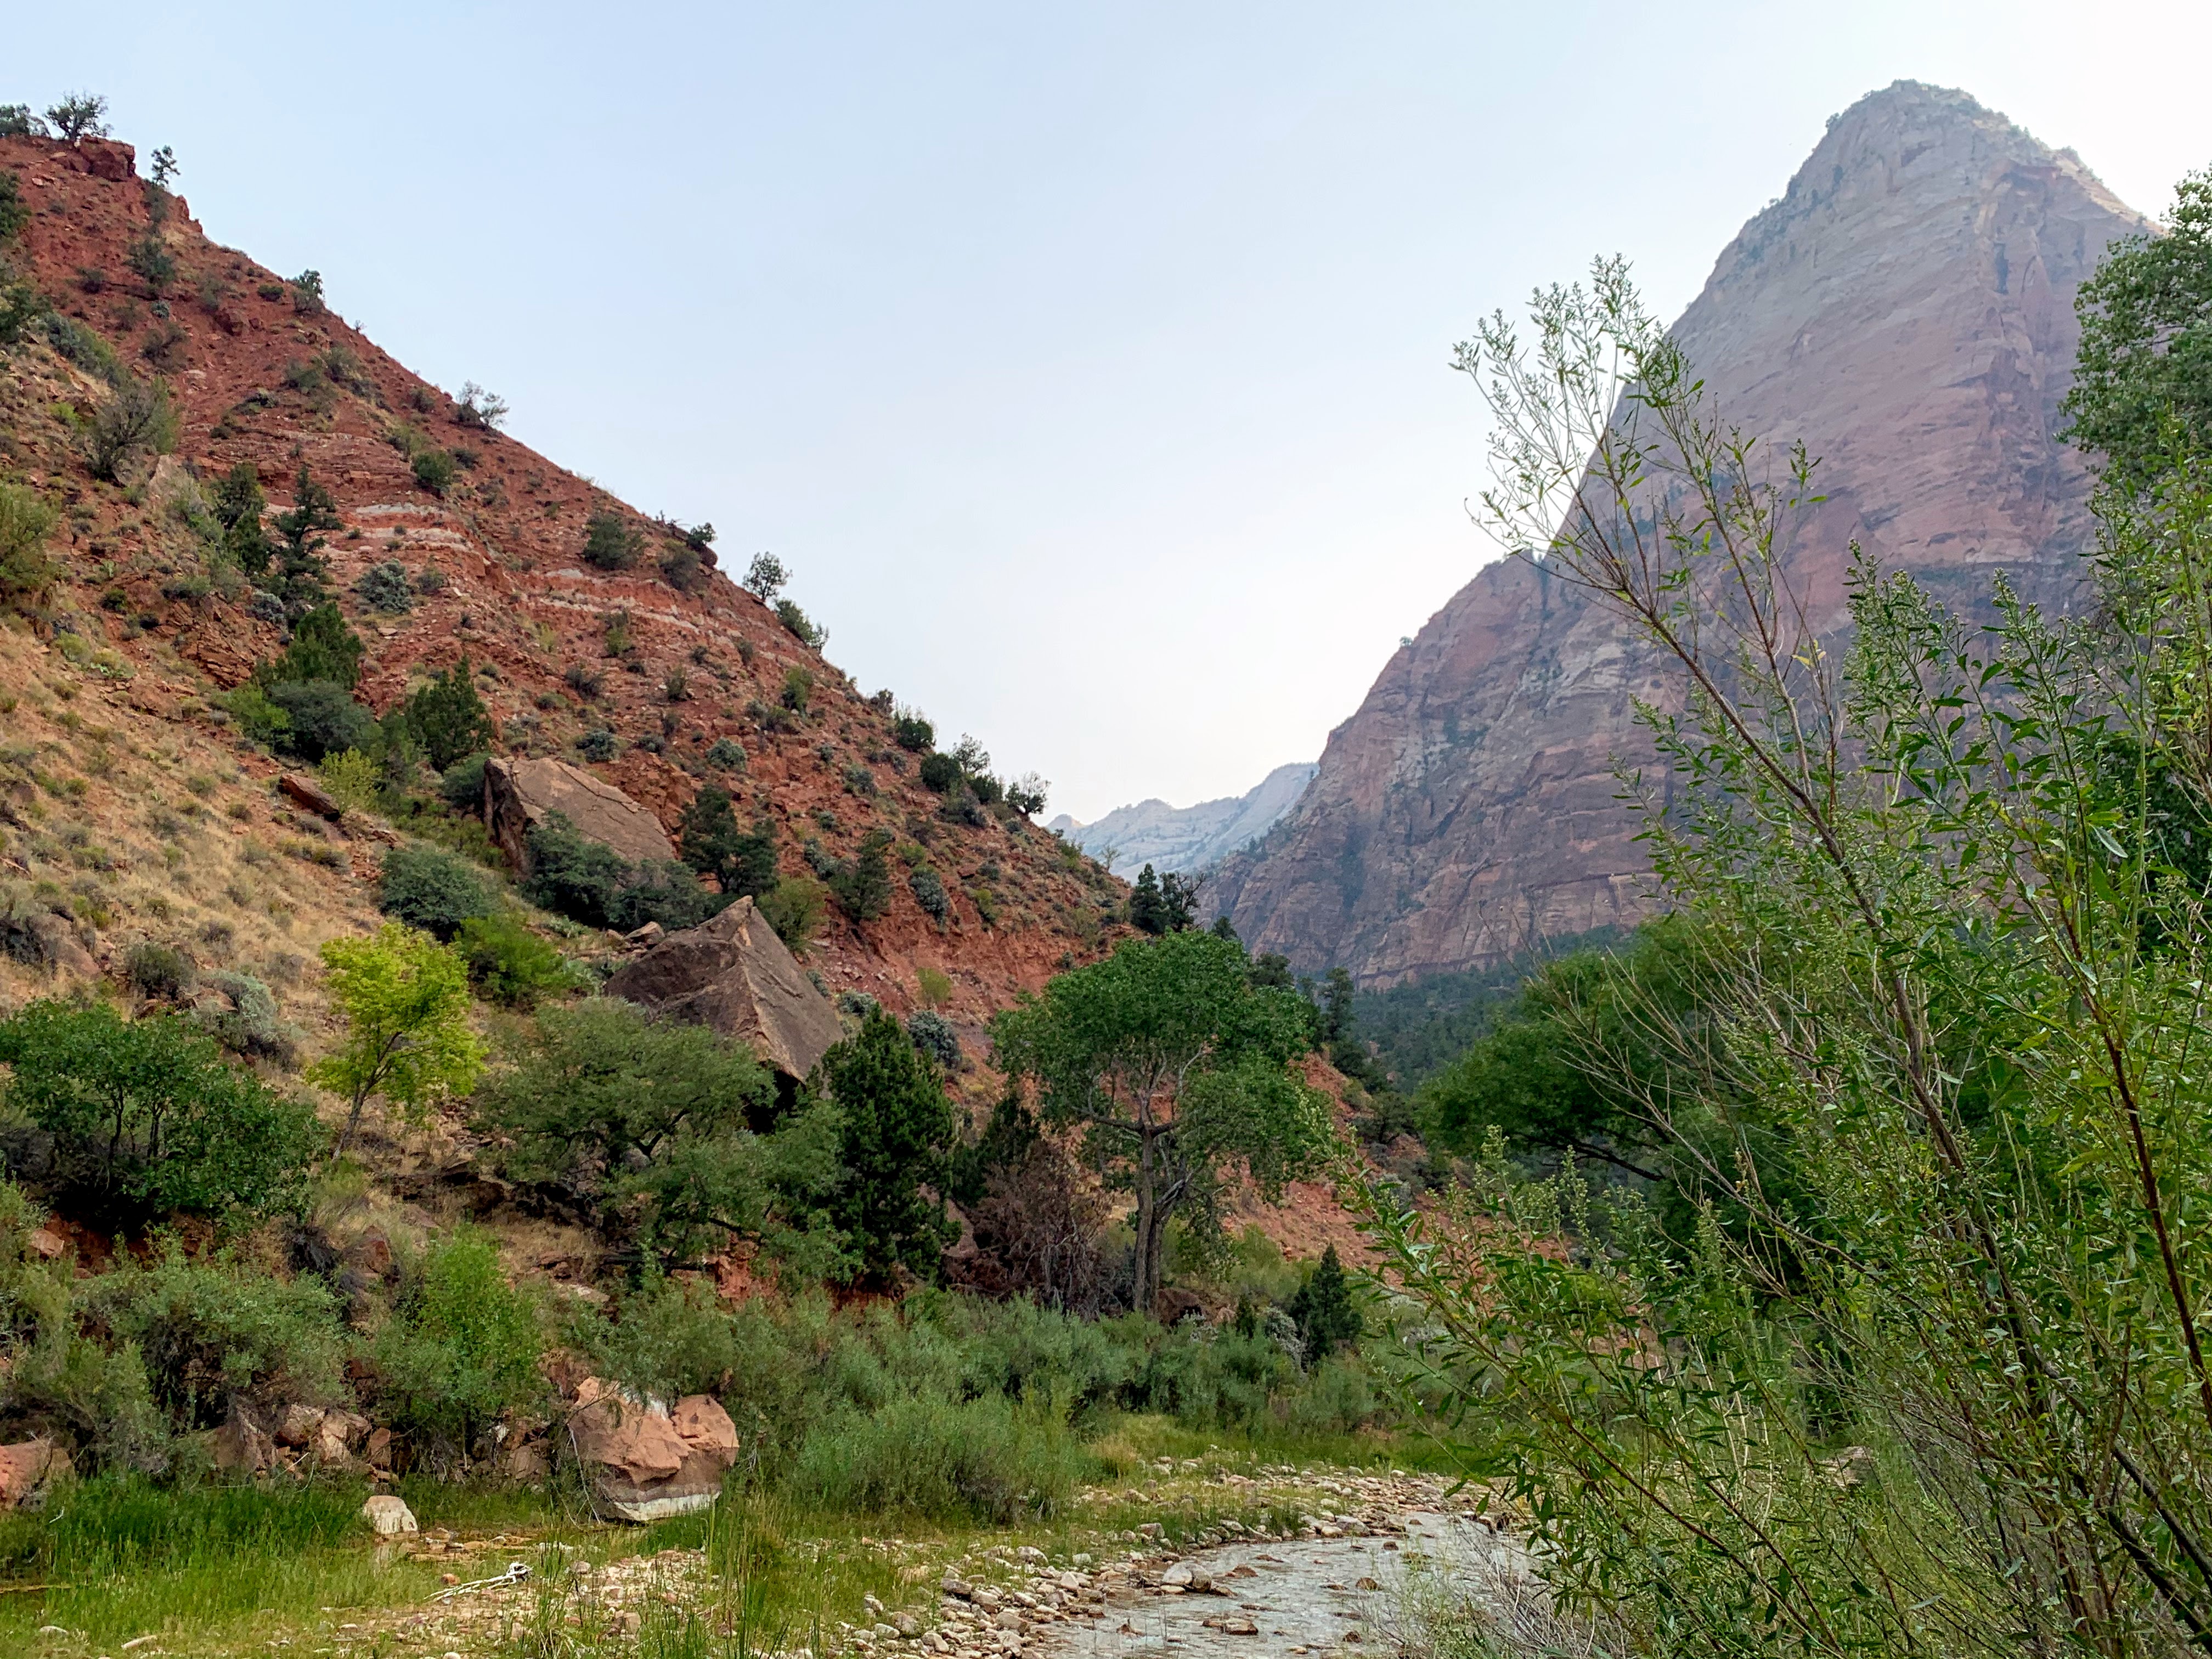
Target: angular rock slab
644 1462
732 975
520 794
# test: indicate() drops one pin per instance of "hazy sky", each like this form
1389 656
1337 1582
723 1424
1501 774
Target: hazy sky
1086 363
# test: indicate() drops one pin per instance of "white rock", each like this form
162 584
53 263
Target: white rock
389 1514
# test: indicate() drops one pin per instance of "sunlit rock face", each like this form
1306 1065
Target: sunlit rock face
1905 309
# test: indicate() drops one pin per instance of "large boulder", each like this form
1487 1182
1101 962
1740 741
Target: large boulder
645 1463
28 1471
732 975
520 794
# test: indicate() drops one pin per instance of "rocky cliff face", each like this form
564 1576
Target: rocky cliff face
1906 310
1188 838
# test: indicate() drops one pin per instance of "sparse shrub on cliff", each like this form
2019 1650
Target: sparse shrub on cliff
934 1034
461 784
320 718
588 882
929 892
448 718
913 734
27 572
797 689
16 121
484 410
601 744
1026 794
156 265
79 115
586 683
509 964
160 970
727 754
743 862
794 906
862 885
306 289
385 587
940 772
137 418
433 470
796 623
682 567
765 577
611 542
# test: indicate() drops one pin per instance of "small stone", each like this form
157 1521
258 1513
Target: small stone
1366 1583
1238 1627
389 1514
1009 1618
905 1624
952 1586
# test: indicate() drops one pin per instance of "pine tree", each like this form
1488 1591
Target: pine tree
301 569
448 719
322 648
862 887
1327 1317
239 505
742 862
898 1131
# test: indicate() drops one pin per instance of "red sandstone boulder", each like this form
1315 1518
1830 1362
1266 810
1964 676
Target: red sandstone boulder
521 794
644 1462
27 1472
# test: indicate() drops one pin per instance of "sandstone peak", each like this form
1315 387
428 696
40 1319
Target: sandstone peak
1905 309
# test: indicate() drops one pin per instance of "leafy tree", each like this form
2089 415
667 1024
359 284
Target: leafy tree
405 998
611 542
800 626
1327 1317
509 964
448 718
743 862
307 293
484 410
322 647
862 884
320 719
16 121
79 115
941 772
165 167
27 572
137 418
147 1117
1026 794
1162 904
765 577
1176 1067
896 1131
660 1131
589 881
437 891
239 504
2142 378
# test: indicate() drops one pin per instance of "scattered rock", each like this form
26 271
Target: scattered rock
735 977
644 1462
390 1515
521 794
44 1242
28 1470
241 1446
311 795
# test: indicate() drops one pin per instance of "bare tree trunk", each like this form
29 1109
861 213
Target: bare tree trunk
1148 1225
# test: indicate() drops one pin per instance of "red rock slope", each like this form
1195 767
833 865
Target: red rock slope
1905 308
259 380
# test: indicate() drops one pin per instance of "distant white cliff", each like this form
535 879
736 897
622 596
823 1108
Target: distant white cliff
1186 839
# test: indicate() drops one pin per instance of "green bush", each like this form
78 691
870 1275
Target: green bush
321 717
667 1338
428 888
147 1119
724 753
742 861
794 907
940 772
797 689
862 884
448 718
509 964
385 587
913 733
322 647
27 572
990 1461
460 1350
798 625
250 1023
929 893
461 785
611 542
433 470
601 744
588 882
137 418
933 1034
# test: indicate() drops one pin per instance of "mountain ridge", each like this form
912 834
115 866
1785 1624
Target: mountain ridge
1186 840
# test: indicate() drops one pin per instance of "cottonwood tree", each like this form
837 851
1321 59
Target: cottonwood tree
404 998
1177 1070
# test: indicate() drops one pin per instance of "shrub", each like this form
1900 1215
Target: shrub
405 1000
797 689
741 862
794 907
246 1021
934 1034
913 733
667 1339
322 647
153 262
79 115
320 718
385 587
509 964
940 772
428 888
1026 794
448 718
990 1460
896 1127
862 886
27 572
682 567
160 970
433 470
797 623
460 1351
147 1118
136 418
765 576
933 985
479 409
929 892
611 542
588 882
726 753
1327 1317
461 785
307 290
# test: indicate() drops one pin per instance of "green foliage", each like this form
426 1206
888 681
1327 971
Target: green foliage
794 906
87 349
448 718
159 971
385 587
509 964
589 881
933 1034
1026 794
929 889
79 115
460 1351
611 542
320 718
897 1129
987 1461
940 772
862 884
599 744
136 418
1176 1067
912 732
798 625
743 862
650 1128
765 576
153 262
434 469
433 889
665 1339
147 1118
798 689
301 570
13 216
726 754
322 647
405 998
27 571
1327 1316
461 785
2142 378
1162 904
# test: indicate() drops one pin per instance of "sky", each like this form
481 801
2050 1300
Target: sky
1086 364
